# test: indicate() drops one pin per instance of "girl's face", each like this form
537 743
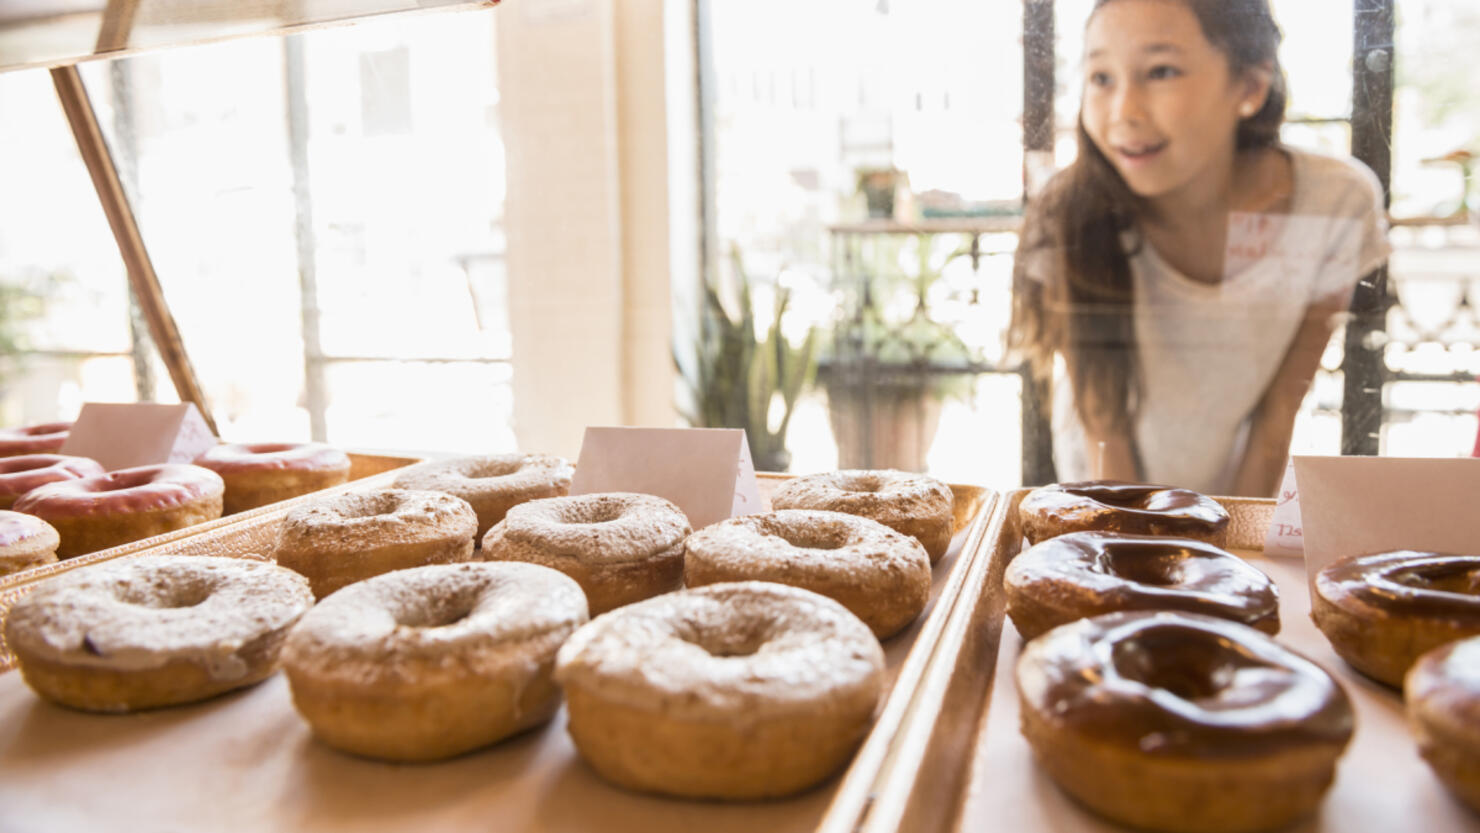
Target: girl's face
1160 100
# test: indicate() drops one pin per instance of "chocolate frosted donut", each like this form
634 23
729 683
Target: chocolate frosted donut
25 541
1382 611
19 475
1180 722
34 439
151 631
737 691
912 504
619 546
257 474
881 576
107 510
1109 506
1085 574
342 539
435 661
1442 691
493 485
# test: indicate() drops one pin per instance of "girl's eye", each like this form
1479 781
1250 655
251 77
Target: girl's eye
1161 71
1099 79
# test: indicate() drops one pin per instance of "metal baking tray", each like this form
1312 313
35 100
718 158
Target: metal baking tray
246 761
959 763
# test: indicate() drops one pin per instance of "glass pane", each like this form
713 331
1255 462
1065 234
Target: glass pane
806 117
392 188
64 310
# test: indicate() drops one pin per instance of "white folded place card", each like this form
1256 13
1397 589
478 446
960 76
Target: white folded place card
1285 537
122 435
1353 505
706 471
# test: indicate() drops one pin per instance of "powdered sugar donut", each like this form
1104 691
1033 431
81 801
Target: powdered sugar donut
257 474
25 541
745 690
914 504
137 633
347 538
21 474
106 510
435 661
619 546
492 485
881 576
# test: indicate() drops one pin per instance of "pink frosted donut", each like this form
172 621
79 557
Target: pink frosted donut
25 541
19 475
106 510
33 439
257 474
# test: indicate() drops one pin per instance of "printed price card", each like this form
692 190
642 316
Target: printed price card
123 435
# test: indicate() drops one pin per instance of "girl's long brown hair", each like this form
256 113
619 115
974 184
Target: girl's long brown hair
1082 306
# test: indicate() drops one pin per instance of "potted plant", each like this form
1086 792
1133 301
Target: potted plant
880 188
737 373
887 375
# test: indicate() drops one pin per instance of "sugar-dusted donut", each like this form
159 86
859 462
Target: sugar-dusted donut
23 473
25 541
737 691
257 474
1084 574
1181 722
106 510
881 576
434 661
492 485
342 539
34 439
137 633
619 546
1110 506
913 504
1442 692
1382 611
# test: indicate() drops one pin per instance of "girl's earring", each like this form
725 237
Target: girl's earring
1246 109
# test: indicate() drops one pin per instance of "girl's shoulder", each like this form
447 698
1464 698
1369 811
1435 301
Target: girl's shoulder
1332 185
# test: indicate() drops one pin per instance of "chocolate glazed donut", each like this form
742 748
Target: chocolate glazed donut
1088 573
1180 722
1442 692
1382 611
1112 506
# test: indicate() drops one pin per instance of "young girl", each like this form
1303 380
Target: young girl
1187 268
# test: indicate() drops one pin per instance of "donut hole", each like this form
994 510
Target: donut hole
18 465
1461 577
724 642
866 483
595 513
819 536
269 448
492 468
119 481
1128 495
439 610
369 505
1153 565
164 597
1192 665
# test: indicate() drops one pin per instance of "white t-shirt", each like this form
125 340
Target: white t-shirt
1207 352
